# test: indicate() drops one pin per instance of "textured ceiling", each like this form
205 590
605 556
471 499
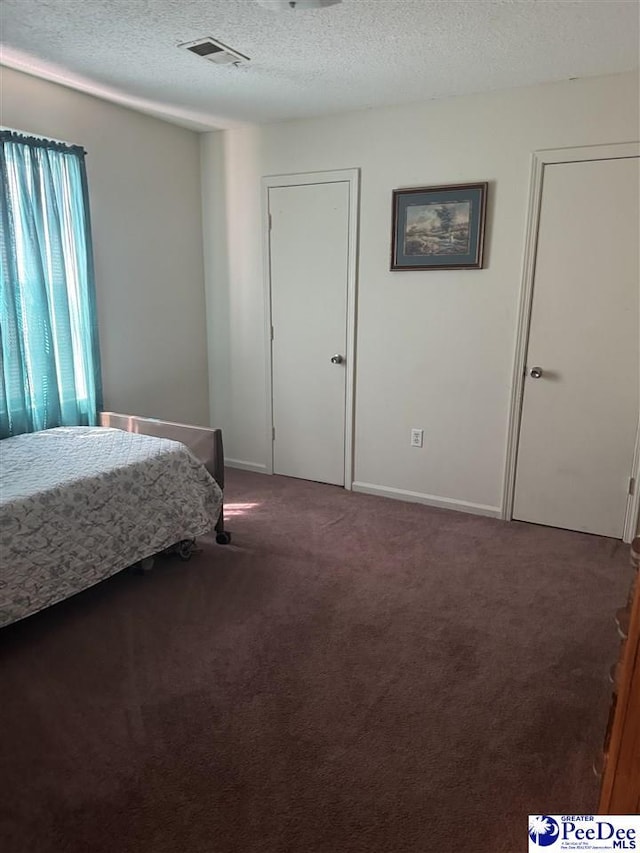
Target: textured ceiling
359 54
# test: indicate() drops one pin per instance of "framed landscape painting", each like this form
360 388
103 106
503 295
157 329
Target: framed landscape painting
438 228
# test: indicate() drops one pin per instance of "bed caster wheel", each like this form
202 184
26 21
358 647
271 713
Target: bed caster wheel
223 538
184 549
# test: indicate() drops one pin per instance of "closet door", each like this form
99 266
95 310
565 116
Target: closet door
580 408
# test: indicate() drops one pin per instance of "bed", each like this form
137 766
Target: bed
78 504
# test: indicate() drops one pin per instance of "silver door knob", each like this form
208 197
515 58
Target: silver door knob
535 372
336 359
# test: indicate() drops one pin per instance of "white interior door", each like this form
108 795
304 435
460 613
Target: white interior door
580 416
309 252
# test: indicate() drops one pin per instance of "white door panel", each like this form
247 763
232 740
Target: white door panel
309 243
579 419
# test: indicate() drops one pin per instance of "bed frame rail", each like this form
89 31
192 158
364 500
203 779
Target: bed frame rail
205 444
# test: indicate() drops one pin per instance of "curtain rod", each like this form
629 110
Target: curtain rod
7 135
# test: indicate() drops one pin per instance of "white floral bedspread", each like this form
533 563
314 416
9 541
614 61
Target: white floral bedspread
78 504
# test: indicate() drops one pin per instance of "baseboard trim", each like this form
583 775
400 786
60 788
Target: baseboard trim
428 500
258 467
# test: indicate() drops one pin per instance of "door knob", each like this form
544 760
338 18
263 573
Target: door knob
535 372
336 359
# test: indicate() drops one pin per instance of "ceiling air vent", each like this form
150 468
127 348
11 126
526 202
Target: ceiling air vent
215 51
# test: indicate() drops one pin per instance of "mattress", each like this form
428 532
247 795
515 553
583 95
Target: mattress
78 504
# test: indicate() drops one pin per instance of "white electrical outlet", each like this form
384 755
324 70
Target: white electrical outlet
416 437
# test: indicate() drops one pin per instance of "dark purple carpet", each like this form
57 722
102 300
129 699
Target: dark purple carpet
351 674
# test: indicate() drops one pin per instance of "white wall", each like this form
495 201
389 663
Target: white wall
144 185
435 349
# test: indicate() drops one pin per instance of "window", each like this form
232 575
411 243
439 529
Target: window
49 359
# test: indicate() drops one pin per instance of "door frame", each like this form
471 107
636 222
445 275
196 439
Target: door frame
539 160
352 177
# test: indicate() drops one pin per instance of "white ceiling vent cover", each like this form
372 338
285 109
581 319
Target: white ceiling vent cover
215 51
